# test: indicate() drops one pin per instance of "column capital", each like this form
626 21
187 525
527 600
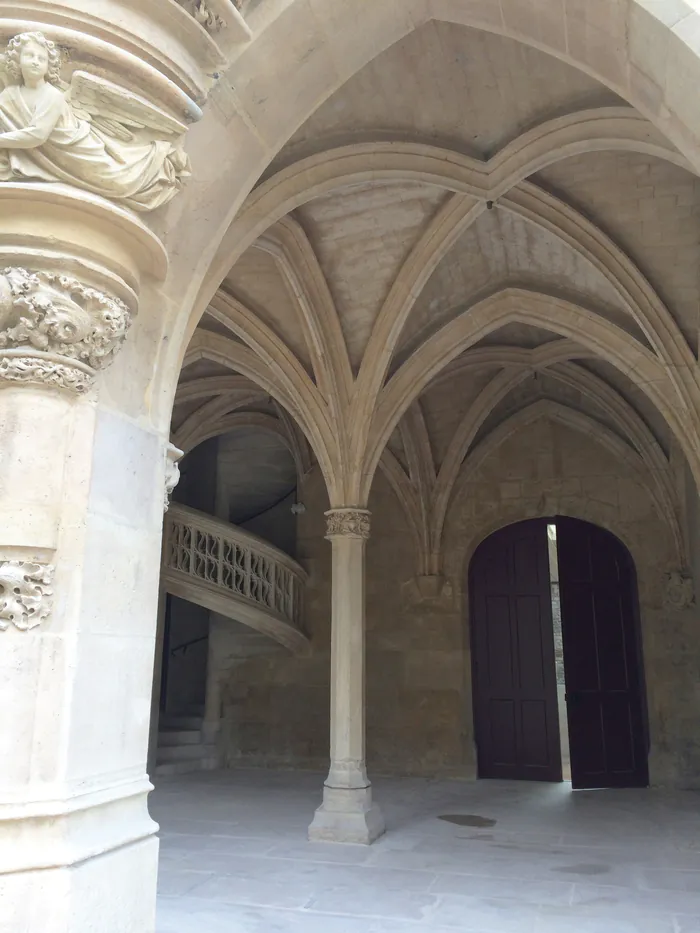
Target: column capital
348 523
55 330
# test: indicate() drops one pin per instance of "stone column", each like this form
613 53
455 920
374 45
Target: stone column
172 477
157 682
82 464
80 512
347 813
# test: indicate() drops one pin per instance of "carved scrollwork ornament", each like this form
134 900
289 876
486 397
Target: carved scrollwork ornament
679 590
56 330
351 523
25 594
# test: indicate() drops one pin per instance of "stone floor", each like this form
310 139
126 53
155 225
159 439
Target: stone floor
513 858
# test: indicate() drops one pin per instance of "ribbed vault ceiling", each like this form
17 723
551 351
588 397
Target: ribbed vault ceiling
466 238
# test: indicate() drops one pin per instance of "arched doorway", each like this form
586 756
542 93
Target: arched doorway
514 676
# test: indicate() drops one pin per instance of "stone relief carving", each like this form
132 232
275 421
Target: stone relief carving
172 473
680 591
51 322
433 591
92 133
353 523
49 372
205 16
25 593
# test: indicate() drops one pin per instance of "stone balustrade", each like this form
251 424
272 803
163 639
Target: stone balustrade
217 565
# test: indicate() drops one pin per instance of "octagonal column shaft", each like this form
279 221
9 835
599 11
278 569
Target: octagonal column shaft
347 813
82 465
81 510
80 507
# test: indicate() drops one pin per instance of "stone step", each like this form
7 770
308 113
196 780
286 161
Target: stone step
166 768
179 737
168 723
182 752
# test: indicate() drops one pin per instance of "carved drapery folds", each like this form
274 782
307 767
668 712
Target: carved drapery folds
680 591
25 593
55 330
91 133
351 523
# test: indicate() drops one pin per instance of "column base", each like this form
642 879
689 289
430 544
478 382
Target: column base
347 815
114 892
210 732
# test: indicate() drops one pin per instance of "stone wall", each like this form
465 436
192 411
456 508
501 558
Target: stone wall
255 482
419 705
185 671
275 707
553 470
417 680
277 525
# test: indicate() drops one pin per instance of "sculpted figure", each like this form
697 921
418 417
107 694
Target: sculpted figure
680 590
94 134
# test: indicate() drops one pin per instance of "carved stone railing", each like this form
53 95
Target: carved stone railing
219 566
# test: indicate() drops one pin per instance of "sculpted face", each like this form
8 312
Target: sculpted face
33 62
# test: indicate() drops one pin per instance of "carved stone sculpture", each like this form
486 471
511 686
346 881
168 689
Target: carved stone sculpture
56 330
680 591
25 593
205 16
353 523
428 591
92 134
172 473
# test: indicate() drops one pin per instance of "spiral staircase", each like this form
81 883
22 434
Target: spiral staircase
222 568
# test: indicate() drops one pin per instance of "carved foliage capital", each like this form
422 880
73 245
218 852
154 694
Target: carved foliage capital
351 523
23 369
56 330
25 593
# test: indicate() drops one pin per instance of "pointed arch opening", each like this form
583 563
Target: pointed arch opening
557 662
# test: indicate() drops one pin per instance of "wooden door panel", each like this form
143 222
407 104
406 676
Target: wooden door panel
602 658
515 700
535 715
502 741
498 645
618 721
532 645
586 745
526 564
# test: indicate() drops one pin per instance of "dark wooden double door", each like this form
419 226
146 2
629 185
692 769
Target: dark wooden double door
513 657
